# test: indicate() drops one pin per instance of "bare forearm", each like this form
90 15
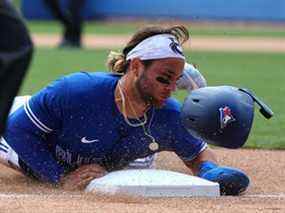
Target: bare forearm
206 155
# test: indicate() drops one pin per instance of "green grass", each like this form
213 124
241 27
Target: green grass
263 73
17 3
97 28
49 64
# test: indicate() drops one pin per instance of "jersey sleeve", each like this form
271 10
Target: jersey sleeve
46 108
186 146
30 125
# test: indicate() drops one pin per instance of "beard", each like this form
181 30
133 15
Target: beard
144 92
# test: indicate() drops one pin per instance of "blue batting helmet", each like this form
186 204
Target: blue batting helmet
221 115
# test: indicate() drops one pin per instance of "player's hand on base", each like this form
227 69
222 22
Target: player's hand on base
79 178
232 181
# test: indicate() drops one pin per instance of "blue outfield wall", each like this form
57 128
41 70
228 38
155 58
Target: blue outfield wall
36 9
257 10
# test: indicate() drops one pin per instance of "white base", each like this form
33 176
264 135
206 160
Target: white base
153 183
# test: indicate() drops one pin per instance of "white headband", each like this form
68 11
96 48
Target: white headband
157 47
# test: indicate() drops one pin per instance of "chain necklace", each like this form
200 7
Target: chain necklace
153 145
141 123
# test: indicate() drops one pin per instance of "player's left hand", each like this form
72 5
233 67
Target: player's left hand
79 178
232 181
191 79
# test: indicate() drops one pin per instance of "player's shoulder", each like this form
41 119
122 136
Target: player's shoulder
85 87
172 104
82 81
170 113
91 77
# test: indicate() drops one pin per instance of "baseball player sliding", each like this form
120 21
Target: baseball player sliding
84 125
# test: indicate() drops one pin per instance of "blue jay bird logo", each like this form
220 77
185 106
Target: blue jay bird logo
176 48
226 116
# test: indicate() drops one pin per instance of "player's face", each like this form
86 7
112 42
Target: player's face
158 81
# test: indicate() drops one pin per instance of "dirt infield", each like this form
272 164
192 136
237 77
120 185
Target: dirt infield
266 194
196 43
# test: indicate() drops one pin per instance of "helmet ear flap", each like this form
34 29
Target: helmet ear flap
221 116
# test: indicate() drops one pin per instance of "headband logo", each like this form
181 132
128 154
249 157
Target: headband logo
226 117
175 47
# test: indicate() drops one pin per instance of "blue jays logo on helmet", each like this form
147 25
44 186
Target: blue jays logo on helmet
226 116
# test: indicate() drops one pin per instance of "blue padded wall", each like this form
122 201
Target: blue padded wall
263 10
35 9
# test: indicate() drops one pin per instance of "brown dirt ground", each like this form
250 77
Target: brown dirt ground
265 168
266 193
213 43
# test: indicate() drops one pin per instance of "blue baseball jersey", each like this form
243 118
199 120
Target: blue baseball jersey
75 121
